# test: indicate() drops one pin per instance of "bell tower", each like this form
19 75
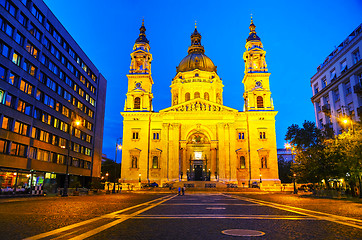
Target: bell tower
139 94
257 95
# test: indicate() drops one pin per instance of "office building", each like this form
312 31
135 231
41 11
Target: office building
52 101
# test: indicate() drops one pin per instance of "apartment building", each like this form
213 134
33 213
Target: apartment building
52 101
337 85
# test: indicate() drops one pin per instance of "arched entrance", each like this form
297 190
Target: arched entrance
198 153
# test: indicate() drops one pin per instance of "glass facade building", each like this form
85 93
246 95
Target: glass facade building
47 85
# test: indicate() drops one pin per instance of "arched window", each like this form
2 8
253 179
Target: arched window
155 162
134 162
259 102
196 95
137 103
187 96
242 162
264 162
206 96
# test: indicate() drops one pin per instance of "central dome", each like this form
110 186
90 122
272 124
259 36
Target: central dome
196 59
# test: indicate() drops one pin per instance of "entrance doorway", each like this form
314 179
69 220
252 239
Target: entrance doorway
198 173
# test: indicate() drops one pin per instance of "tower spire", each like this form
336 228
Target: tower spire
142 37
252 33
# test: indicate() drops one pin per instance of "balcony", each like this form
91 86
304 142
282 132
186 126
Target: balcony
357 89
326 109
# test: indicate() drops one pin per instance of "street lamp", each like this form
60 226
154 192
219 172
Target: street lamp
295 188
66 180
118 147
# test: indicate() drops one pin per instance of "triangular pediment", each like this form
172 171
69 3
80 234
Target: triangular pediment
199 105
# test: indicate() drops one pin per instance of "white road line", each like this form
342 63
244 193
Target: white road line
215 216
66 228
111 224
310 213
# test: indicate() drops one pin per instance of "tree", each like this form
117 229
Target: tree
345 152
112 168
310 163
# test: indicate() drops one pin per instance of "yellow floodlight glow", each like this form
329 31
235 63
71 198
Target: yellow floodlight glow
287 145
77 122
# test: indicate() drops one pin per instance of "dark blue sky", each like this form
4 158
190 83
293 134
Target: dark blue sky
297 36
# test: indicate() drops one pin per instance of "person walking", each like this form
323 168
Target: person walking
183 190
179 191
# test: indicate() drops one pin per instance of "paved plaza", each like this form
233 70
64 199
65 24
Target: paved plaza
169 216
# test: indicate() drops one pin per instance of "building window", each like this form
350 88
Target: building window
155 162
343 66
348 88
264 162
187 96
156 136
9 7
316 89
31 49
5 51
359 77
18 149
37 13
29 68
134 162
35 32
262 135
137 103
336 94
242 162
7 123
21 128
3 146
16 58
26 87
333 74
2 73
24 107
356 56
22 19
196 95
9 100
241 135
19 39
5 27
259 102
135 135
206 96
324 82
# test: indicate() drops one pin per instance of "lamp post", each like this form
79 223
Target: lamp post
295 187
66 180
139 180
118 147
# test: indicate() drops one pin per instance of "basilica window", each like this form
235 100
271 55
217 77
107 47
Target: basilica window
155 162
262 135
259 102
137 103
156 135
135 135
264 162
187 96
196 95
241 136
134 163
206 96
242 162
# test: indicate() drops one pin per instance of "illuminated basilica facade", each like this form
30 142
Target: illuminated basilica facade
198 138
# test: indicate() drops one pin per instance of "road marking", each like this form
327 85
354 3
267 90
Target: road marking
67 228
214 204
122 219
310 213
216 216
215 208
